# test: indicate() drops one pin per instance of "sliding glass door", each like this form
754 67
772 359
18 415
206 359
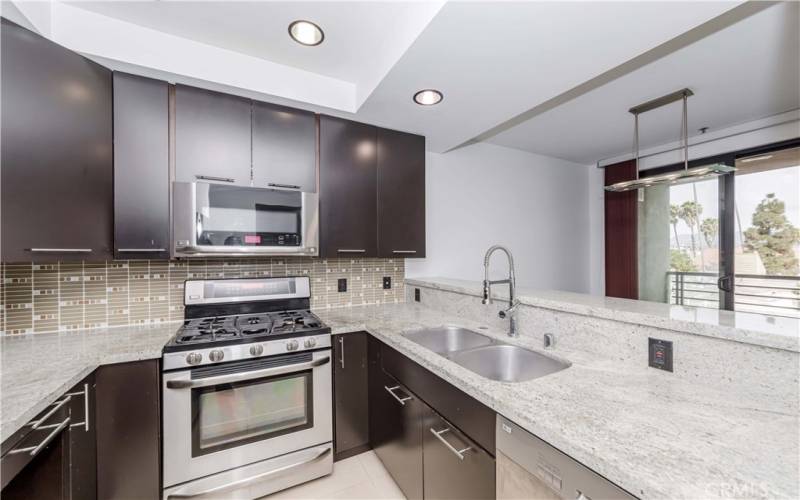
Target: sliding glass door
731 242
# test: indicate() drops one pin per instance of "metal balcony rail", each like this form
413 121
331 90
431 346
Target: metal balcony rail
757 293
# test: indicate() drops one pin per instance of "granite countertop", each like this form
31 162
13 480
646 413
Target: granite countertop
652 434
757 329
36 369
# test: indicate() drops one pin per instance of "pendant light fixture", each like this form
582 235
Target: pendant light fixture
677 177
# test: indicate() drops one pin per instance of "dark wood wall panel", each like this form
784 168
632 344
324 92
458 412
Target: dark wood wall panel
622 267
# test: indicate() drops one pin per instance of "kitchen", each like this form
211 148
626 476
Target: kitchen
432 250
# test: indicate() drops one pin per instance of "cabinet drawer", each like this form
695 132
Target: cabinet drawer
465 412
455 467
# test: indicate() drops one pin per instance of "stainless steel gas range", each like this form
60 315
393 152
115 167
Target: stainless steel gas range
246 391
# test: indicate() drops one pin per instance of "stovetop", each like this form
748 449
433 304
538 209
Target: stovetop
243 328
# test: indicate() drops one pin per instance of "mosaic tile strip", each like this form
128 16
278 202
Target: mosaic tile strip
62 296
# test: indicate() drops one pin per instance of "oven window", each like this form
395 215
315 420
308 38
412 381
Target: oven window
229 415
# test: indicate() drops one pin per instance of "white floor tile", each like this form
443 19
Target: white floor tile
361 477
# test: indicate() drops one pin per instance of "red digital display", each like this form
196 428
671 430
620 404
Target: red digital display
252 239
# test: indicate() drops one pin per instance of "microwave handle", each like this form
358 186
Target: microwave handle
239 377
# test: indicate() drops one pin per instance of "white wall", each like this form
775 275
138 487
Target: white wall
484 194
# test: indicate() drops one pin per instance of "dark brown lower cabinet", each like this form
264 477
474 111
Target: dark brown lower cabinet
351 409
396 433
83 440
455 467
128 431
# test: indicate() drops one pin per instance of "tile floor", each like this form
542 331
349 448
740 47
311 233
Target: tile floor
360 477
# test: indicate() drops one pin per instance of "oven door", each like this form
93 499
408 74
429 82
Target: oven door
218 220
220 417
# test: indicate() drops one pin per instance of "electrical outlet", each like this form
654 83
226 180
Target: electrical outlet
659 354
342 284
387 282
416 295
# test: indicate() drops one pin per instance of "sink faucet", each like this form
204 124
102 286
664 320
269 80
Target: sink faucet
487 288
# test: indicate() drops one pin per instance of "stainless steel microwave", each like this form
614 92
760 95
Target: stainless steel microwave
216 220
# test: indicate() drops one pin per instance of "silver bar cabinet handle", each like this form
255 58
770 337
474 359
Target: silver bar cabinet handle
238 377
458 453
351 250
212 178
286 186
34 450
402 401
58 405
85 394
241 483
404 251
141 250
341 358
60 250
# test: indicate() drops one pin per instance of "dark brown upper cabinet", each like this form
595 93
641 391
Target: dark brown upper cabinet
401 194
212 137
284 148
348 194
141 167
57 151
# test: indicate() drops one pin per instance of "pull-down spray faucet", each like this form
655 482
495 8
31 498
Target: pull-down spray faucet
487 287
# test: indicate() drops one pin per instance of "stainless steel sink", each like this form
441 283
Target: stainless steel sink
507 363
448 339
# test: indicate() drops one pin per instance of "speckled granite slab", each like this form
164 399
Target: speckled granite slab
757 329
38 368
653 434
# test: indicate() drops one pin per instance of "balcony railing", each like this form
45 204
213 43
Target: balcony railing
758 293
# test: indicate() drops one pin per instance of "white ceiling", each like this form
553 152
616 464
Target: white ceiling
499 64
748 71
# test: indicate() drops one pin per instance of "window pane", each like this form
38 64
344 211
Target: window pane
679 244
767 240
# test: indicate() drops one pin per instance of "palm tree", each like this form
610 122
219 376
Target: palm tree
674 215
709 228
690 213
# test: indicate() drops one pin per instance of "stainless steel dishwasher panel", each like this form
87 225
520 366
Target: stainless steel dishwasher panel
539 471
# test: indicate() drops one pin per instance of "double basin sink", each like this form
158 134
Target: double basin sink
485 356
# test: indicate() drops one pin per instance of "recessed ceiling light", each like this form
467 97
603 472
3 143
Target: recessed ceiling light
306 33
428 97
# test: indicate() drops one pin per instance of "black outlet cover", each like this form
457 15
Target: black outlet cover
659 354
342 284
416 294
387 282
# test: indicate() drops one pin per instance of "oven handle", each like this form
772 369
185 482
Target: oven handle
241 483
239 377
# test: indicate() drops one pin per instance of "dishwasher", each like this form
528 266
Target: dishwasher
528 468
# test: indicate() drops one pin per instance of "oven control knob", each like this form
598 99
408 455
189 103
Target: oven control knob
292 345
256 350
216 355
194 358
310 342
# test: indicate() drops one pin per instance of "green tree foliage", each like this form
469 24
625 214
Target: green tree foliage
690 213
773 237
674 215
709 227
680 261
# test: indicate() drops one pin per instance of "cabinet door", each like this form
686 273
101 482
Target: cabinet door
401 194
455 467
128 431
141 167
212 137
284 148
82 442
350 394
57 201
348 200
395 432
